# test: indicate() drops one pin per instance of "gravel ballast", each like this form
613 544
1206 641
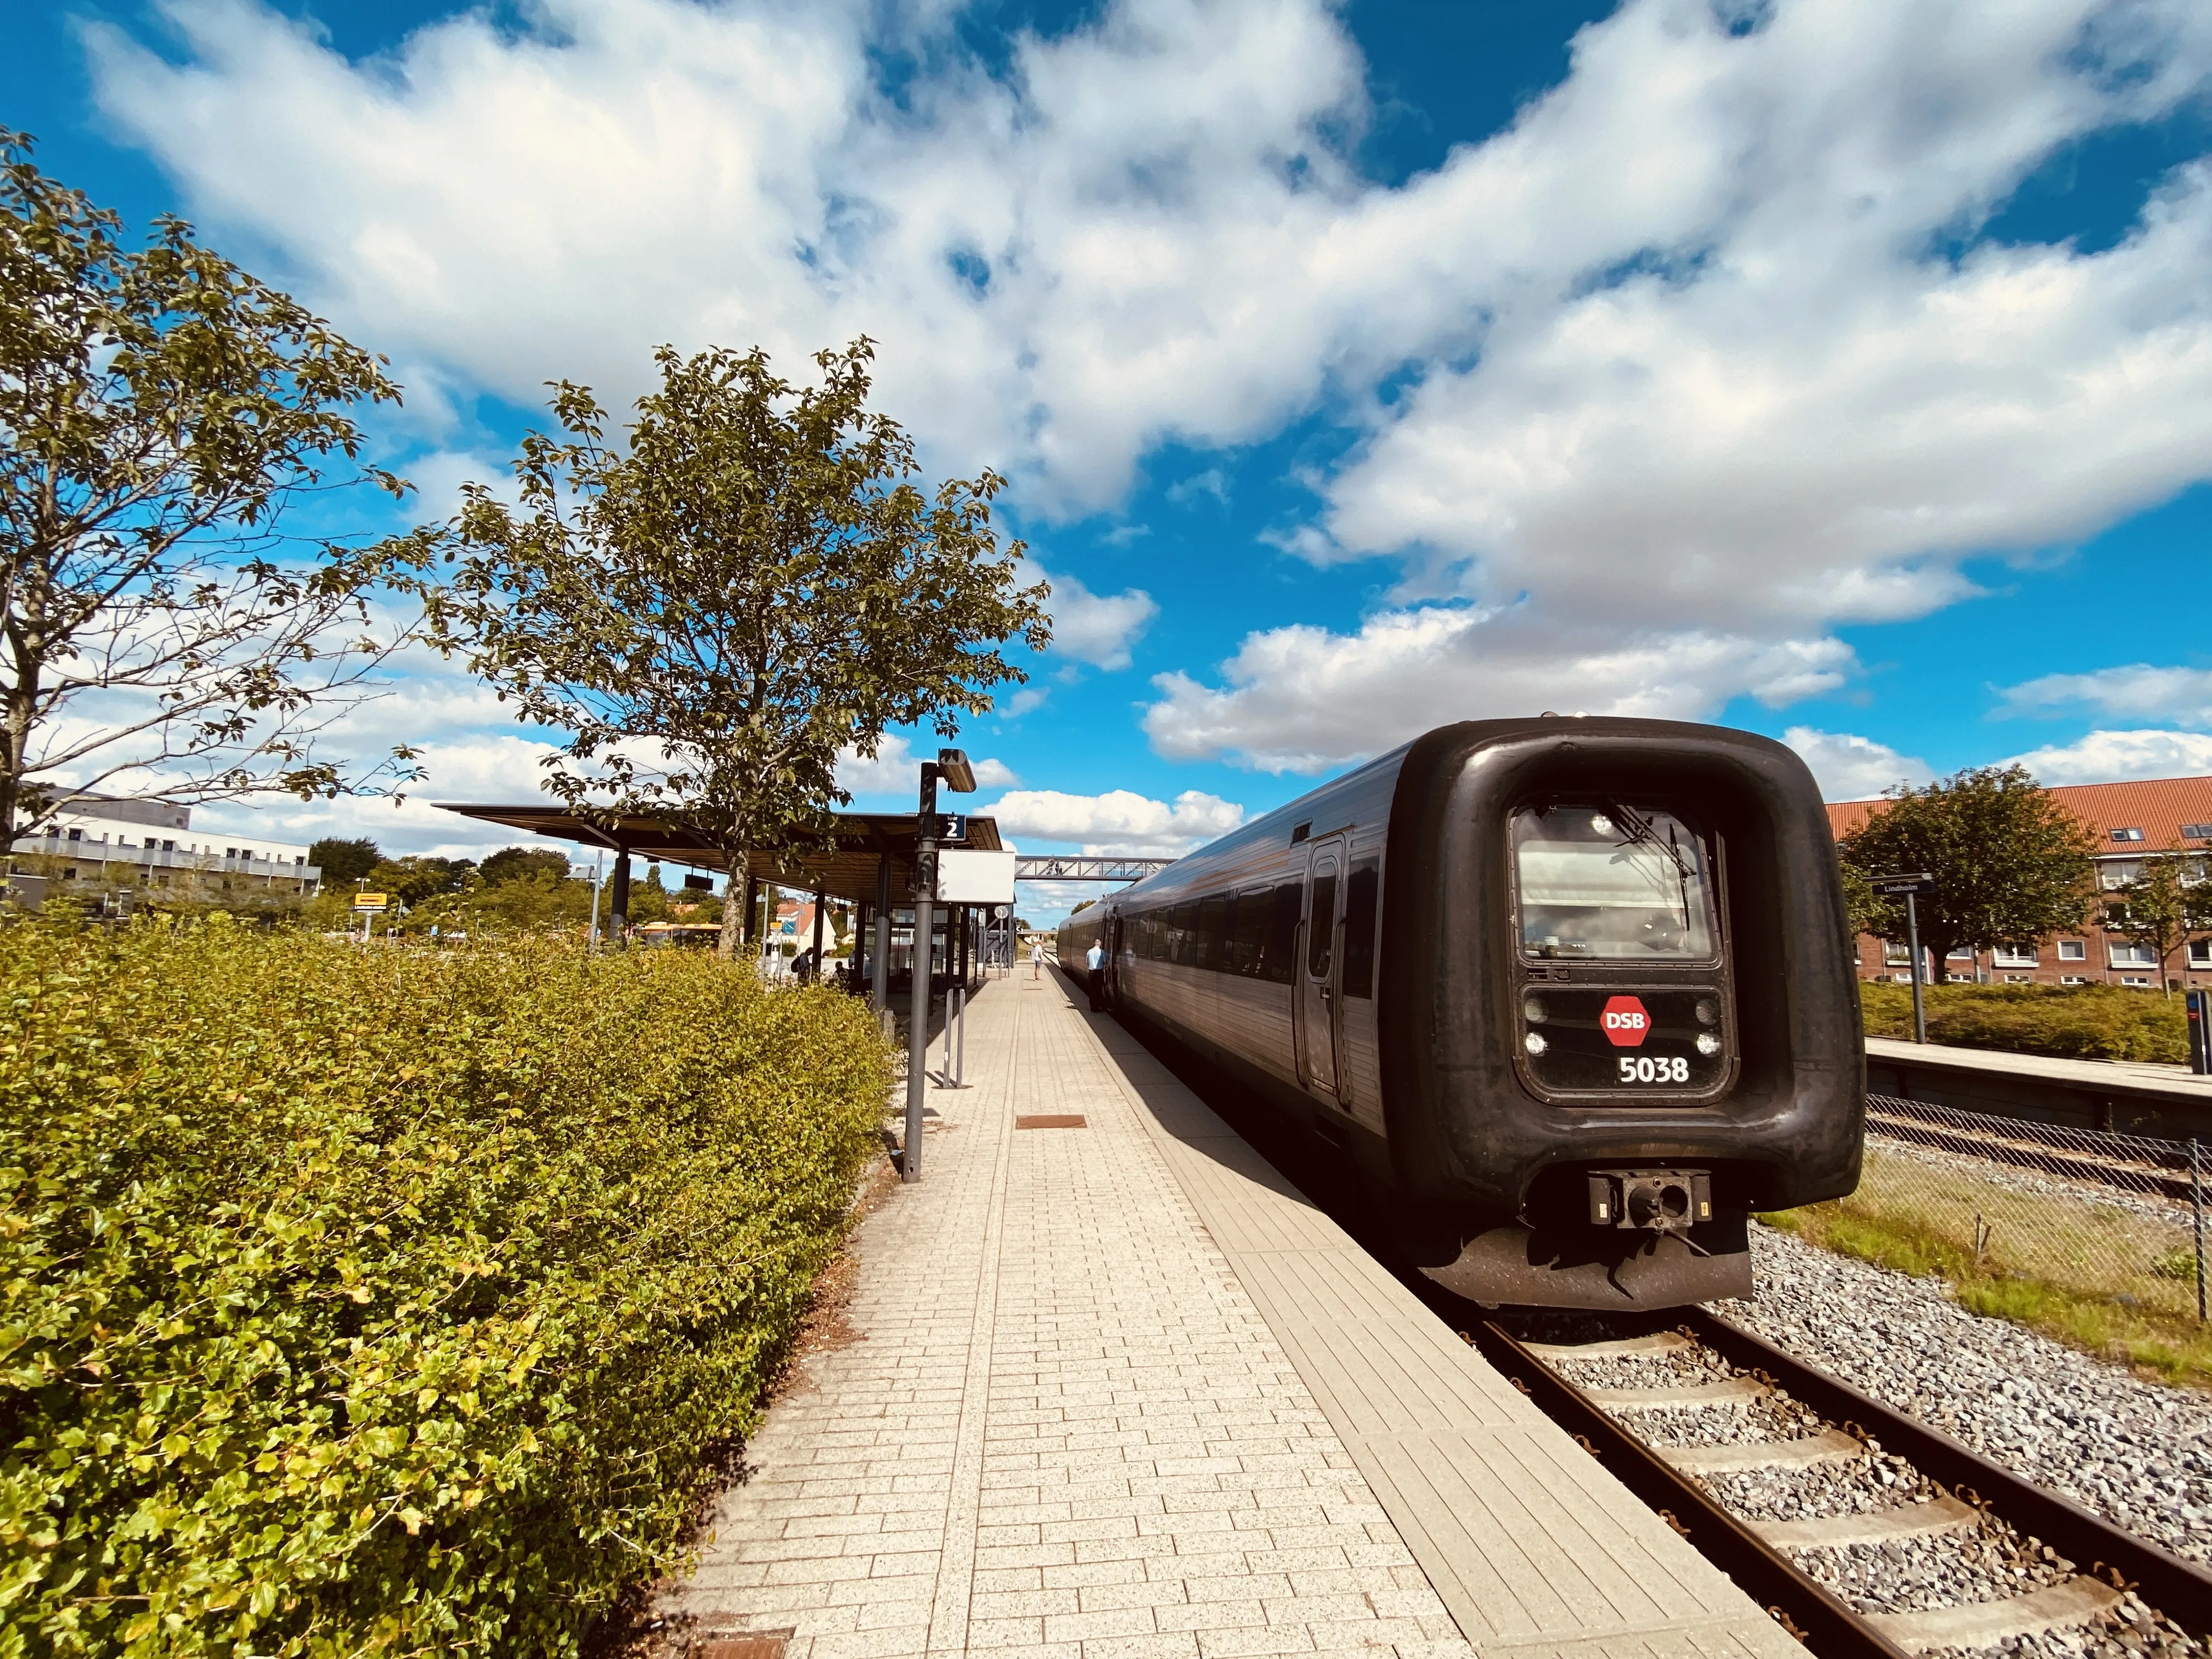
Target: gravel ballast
2137 1452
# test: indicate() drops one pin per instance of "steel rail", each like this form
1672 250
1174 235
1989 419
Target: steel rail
1806 1609
2035 1157
2180 1590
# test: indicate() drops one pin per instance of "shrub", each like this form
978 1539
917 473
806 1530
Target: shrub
381 1302
2090 1021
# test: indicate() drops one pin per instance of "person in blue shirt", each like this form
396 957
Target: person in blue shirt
1094 960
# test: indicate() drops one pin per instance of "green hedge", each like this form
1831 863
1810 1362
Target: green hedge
385 1302
2089 1022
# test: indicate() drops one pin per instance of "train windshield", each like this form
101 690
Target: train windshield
1611 882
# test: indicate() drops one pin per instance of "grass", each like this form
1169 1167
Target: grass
2099 1278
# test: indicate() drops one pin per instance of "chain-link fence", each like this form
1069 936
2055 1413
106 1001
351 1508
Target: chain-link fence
2110 1217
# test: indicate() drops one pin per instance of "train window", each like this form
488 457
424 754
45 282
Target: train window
1611 882
1248 941
1182 934
1276 956
1322 933
1360 893
1213 933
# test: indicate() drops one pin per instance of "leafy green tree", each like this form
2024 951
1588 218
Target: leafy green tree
160 408
2010 864
512 863
344 862
2163 906
415 879
752 583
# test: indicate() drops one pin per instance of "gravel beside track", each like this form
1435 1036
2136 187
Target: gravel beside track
2138 1453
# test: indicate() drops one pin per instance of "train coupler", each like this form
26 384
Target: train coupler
1652 1201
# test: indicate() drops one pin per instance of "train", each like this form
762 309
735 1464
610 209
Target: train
1569 999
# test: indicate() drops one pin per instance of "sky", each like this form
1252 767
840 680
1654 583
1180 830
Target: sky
1837 369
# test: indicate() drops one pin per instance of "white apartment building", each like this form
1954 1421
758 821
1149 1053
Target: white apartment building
149 843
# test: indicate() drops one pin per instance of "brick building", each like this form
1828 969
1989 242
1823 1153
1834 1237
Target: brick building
2129 820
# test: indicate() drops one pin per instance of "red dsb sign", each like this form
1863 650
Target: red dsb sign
1625 1023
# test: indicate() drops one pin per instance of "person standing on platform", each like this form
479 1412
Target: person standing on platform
1094 960
1037 958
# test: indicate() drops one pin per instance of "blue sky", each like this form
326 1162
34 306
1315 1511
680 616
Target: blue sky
1840 369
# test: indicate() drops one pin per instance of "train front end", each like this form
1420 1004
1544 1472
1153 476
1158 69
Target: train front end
1625 1019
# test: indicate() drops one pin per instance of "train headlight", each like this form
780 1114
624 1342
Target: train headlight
1709 1013
1535 1043
1708 1043
1533 1011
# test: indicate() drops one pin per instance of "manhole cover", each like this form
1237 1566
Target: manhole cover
754 1644
1050 1121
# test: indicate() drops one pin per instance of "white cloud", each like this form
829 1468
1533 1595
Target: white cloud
2119 756
2182 695
1098 629
1120 820
1303 699
1699 376
1211 482
895 770
492 768
1854 769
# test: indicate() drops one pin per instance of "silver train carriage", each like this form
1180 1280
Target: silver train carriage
1574 995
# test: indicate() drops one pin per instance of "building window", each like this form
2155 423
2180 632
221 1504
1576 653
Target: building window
2019 979
2118 872
2200 953
2130 955
1895 954
2073 979
2073 950
1902 979
2014 955
2139 981
2127 834
1962 954
2197 832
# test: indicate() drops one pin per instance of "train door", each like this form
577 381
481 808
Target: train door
1316 971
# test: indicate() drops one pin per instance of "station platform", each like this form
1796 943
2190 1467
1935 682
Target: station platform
1118 1389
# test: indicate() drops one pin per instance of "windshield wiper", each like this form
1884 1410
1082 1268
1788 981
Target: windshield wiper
1640 833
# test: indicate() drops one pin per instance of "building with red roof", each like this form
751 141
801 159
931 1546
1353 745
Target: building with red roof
2128 820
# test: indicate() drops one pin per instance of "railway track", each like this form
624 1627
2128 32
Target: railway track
2048 1565
2045 1149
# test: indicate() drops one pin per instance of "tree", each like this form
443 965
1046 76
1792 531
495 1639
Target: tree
343 862
2011 865
160 408
754 584
416 879
519 863
2163 906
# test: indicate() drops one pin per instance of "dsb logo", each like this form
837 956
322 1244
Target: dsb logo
1626 1022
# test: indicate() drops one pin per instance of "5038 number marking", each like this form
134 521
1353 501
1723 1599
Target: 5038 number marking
1646 1068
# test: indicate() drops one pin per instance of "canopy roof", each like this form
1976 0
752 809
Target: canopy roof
844 862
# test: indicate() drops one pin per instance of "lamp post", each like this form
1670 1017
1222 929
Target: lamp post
951 766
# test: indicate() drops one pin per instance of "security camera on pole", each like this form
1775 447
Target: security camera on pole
951 766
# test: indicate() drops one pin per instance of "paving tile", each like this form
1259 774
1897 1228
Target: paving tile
1076 1426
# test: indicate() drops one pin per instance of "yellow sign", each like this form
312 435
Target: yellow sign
369 901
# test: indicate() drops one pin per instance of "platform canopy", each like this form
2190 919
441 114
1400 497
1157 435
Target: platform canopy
843 862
